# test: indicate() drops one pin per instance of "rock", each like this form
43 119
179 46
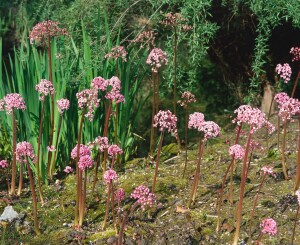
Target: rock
112 240
9 214
22 216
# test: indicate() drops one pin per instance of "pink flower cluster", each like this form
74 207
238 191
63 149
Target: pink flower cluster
85 161
143 196
281 98
284 71
102 142
288 109
295 51
209 128
237 151
166 120
83 151
68 169
63 105
196 120
85 158
269 226
252 116
44 30
114 150
187 98
267 170
117 52
12 101
3 164
172 19
114 94
24 150
112 87
88 99
298 196
99 83
156 59
51 148
110 175
145 38
120 195
186 27
45 87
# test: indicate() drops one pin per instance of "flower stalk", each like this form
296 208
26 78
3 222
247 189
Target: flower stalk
295 224
34 199
78 173
242 190
38 152
255 202
157 161
197 174
14 161
297 178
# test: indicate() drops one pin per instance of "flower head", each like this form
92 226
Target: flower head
166 120
156 59
24 150
44 30
45 87
172 19
269 226
84 162
187 98
51 148
3 164
267 170
63 105
117 52
114 94
110 175
284 71
145 38
281 98
210 129
114 150
12 101
295 51
237 151
120 195
196 120
102 142
288 109
68 169
252 116
186 28
99 83
83 151
143 196
88 99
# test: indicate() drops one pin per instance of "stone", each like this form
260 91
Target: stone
112 240
9 214
267 99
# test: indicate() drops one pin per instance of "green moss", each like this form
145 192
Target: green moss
55 237
207 231
102 235
170 149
